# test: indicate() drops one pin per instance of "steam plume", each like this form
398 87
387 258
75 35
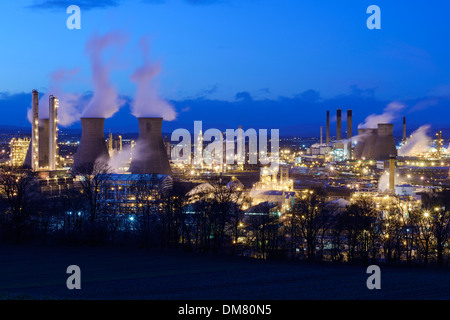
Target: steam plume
418 142
69 103
105 101
147 102
388 115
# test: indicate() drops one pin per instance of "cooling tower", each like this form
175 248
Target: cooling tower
43 142
151 156
361 142
371 138
385 144
92 145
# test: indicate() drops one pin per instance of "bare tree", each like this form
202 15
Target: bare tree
16 190
91 185
438 205
310 206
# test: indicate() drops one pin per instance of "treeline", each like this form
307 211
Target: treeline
213 221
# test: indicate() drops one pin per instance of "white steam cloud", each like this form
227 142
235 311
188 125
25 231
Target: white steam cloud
388 115
147 102
105 102
418 142
69 103
120 160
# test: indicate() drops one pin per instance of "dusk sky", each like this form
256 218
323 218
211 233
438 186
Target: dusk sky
255 63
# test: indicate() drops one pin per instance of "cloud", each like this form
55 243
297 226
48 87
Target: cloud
244 96
203 2
207 92
309 96
83 4
357 91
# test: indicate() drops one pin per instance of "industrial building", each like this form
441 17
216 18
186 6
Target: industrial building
127 193
43 153
19 148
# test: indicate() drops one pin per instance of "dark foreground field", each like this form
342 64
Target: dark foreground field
106 273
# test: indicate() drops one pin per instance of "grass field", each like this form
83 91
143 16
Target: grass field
118 273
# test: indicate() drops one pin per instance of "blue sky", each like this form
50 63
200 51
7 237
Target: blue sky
223 61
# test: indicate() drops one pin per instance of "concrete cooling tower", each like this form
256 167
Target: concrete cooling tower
359 148
384 145
151 155
92 145
368 151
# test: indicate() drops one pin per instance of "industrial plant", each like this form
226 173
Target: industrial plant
131 178
373 161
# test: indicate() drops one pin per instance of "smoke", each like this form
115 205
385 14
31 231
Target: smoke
147 102
388 115
383 182
105 102
121 160
69 103
418 142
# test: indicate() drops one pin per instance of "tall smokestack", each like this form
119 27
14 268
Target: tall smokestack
35 131
151 156
338 124
53 133
92 145
439 144
349 124
328 128
321 135
392 173
404 129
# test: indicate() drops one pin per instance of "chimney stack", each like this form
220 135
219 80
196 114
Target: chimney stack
328 129
35 131
321 135
349 124
53 133
392 173
338 124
